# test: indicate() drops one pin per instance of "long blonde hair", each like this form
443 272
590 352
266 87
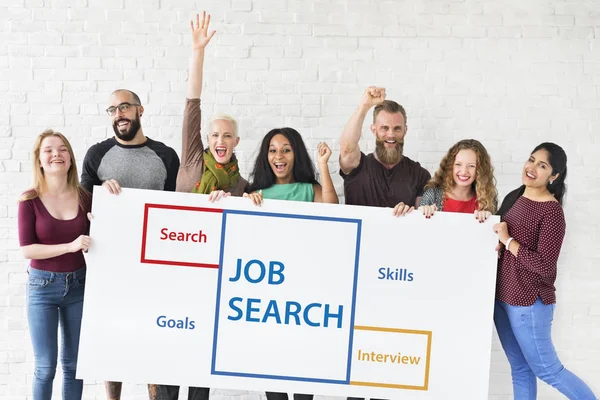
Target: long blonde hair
39 180
485 183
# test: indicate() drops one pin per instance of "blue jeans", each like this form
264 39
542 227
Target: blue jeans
525 336
54 297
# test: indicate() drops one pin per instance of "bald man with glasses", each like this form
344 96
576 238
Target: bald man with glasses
129 159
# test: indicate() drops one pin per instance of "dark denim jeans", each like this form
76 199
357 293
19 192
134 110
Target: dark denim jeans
53 300
284 396
169 392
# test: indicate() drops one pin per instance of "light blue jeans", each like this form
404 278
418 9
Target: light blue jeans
54 298
525 336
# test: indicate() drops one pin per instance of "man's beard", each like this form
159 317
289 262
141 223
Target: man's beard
134 127
389 156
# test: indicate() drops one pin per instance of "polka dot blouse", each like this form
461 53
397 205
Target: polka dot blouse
539 227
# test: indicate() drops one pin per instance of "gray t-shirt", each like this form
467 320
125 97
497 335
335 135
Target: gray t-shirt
151 165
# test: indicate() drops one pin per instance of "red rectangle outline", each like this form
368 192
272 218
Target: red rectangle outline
143 258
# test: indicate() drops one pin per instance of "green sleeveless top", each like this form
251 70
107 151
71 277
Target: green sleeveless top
290 191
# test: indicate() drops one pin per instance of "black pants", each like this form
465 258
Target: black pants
284 396
166 392
359 398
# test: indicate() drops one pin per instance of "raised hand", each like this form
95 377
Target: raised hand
200 36
323 153
373 96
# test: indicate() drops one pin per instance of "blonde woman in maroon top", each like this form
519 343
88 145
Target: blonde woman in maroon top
463 183
531 235
53 228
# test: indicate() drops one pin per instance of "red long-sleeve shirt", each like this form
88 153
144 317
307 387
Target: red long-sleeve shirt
539 227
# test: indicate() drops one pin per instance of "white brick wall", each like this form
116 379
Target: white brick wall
510 73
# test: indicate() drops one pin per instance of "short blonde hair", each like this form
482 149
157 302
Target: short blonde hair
224 117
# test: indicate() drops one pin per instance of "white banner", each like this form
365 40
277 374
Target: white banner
292 297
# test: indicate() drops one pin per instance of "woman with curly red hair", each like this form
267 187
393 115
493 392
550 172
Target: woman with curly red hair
464 183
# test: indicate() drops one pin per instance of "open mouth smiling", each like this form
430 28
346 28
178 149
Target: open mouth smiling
221 151
279 167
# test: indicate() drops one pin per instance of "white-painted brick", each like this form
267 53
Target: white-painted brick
44 38
330 30
266 52
104 4
294 29
284 64
251 64
508 73
25 26
62 51
61 27
468 31
68 3
540 32
113 39
44 15
97 51
241 5
577 33
83 63
433 31
292 53
408 31
19 62
504 32
347 42
355 55
311 18
275 17
259 29
26 51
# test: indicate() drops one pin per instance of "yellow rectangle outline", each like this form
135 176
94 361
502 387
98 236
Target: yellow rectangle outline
394 330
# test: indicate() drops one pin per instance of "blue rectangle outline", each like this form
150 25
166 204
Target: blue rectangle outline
216 330
281 377
354 288
358 222
297 216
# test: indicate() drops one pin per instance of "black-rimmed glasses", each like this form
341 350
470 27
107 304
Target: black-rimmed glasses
123 107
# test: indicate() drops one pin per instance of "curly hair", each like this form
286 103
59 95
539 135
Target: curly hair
484 184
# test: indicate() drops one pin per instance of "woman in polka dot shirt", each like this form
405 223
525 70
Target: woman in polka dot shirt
531 235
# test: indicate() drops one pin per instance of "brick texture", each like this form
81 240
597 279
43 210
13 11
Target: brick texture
509 73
